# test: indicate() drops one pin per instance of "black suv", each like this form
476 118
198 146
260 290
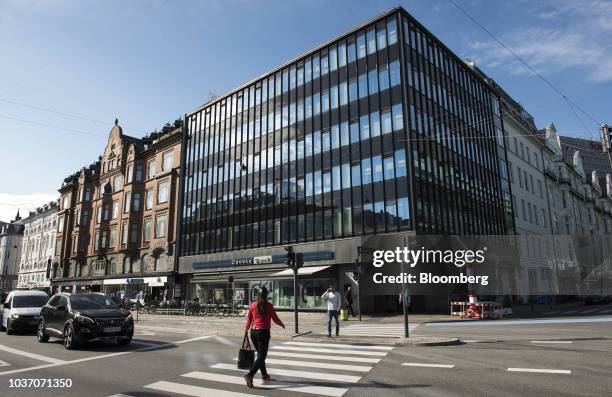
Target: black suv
81 318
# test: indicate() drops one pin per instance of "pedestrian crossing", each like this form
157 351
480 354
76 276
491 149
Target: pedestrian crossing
321 369
379 330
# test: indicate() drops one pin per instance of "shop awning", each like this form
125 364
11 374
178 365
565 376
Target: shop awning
303 271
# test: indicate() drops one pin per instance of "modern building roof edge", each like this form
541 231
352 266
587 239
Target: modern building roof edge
380 16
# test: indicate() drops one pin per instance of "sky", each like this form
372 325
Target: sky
79 64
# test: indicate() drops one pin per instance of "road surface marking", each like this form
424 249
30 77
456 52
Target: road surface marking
298 374
607 311
328 358
343 346
311 364
333 351
555 312
4 364
571 312
551 341
428 365
540 370
80 360
589 311
31 355
120 395
295 387
522 322
473 341
195 391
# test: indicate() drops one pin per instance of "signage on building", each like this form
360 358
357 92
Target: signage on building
257 260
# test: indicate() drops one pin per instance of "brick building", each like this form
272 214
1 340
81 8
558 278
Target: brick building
116 220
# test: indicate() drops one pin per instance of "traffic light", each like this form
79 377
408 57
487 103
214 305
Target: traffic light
299 260
291 260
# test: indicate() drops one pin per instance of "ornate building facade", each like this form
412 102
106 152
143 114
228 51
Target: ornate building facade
38 246
116 220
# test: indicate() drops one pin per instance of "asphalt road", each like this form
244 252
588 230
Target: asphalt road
514 358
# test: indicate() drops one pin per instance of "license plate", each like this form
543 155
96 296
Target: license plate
111 330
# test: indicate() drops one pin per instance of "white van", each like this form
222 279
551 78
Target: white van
21 310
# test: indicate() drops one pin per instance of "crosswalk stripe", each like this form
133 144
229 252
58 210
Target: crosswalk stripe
320 357
321 350
195 391
298 374
239 380
428 365
345 367
543 371
342 346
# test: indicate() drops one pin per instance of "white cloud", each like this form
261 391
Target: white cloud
10 203
573 35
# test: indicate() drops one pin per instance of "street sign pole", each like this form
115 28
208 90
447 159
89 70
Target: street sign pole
406 328
295 298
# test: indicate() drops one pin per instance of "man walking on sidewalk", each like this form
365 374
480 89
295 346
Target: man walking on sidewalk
333 306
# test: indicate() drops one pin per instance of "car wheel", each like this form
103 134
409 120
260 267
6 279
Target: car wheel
41 334
9 329
70 341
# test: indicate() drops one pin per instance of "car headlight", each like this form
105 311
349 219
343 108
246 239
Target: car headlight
85 320
14 316
129 318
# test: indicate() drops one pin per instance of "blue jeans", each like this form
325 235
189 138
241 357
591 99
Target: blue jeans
332 314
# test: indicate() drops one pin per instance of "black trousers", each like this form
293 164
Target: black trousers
261 341
350 308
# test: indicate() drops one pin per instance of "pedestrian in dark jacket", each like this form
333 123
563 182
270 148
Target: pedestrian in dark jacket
349 301
261 312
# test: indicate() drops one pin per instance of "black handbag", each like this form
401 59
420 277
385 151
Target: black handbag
246 356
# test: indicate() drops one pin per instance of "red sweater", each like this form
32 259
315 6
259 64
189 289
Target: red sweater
259 321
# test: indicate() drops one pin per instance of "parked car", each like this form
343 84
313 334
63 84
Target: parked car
21 310
597 299
83 318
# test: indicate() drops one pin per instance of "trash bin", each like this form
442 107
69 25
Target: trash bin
344 314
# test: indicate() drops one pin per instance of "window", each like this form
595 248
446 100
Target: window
150 169
388 163
377 168
87 193
372 82
99 214
398 117
391 32
149 199
327 187
160 225
383 78
371 40
136 203
346 176
361 46
356 175
394 73
112 237
354 131
65 203
364 126
138 175
128 177
133 232
403 211
362 85
127 199
85 220
162 192
366 171
97 240
104 239
146 231
352 51
60 224
167 161
385 121
115 209
117 183
124 233
381 38
400 163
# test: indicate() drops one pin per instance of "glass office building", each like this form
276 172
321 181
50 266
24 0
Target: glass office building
382 130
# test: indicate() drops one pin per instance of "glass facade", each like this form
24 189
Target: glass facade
382 130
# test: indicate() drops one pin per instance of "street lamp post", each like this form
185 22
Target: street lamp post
357 277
